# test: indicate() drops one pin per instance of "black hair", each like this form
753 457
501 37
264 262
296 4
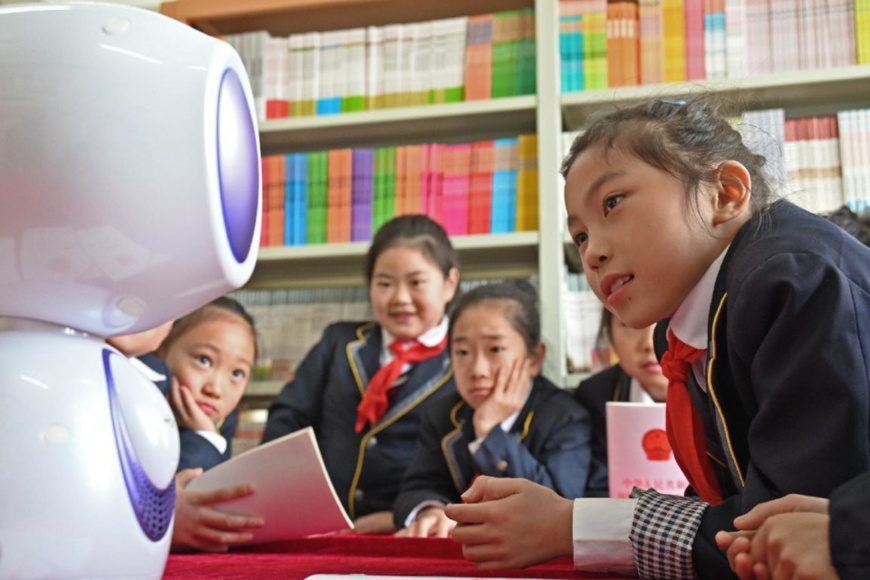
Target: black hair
687 138
520 306
214 310
420 232
859 227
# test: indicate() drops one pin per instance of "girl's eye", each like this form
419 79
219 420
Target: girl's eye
239 374
460 352
383 284
581 238
611 202
498 349
203 360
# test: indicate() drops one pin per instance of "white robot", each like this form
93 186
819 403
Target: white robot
129 196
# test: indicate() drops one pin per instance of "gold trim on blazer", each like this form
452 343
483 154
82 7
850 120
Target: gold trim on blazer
712 391
348 349
351 500
445 440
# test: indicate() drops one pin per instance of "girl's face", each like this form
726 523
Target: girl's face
642 248
634 347
214 359
482 341
408 292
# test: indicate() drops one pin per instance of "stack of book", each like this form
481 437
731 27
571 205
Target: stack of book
345 195
665 41
819 163
397 65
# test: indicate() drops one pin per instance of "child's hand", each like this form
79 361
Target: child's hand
512 523
187 412
507 397
754 518
431 522
198 525
787 545
375 523
747 549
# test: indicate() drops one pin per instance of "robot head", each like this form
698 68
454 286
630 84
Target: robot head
129 167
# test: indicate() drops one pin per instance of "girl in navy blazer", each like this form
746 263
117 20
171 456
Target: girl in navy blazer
673 219
365 407
506 419
636 377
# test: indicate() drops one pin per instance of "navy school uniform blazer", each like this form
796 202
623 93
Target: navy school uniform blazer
548 444
787 407
196 450
611 384
850 528
365 468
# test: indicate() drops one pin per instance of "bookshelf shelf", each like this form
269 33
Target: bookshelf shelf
328 265
802 93
465 122
284 17
547 114
263 389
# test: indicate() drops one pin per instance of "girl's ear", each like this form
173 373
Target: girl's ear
733 193
537 359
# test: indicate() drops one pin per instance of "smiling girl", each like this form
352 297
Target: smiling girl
366 385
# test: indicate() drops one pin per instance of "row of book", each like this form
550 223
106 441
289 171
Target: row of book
819 163
345 195
630 42
397 65
290 321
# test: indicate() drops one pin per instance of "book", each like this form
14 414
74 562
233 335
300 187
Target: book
293 493
638 452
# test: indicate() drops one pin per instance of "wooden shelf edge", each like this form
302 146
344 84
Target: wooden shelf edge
283 17
490 256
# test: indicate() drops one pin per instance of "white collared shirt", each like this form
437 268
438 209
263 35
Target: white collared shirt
637 394
602 525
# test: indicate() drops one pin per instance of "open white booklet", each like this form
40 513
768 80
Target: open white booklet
293 493
638 452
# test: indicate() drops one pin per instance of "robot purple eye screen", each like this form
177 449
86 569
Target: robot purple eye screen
130 195
238 165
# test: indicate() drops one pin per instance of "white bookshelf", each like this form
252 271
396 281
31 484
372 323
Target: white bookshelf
547 113
801 93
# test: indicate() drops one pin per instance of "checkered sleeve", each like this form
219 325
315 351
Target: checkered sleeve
662 532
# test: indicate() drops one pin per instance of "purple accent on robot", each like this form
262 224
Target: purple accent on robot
153 507
238 165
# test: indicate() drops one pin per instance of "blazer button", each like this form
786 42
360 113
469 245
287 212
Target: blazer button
371 442
501 465
359 495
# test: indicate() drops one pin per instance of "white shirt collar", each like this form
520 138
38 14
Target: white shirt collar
637 394
689 322
431 337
